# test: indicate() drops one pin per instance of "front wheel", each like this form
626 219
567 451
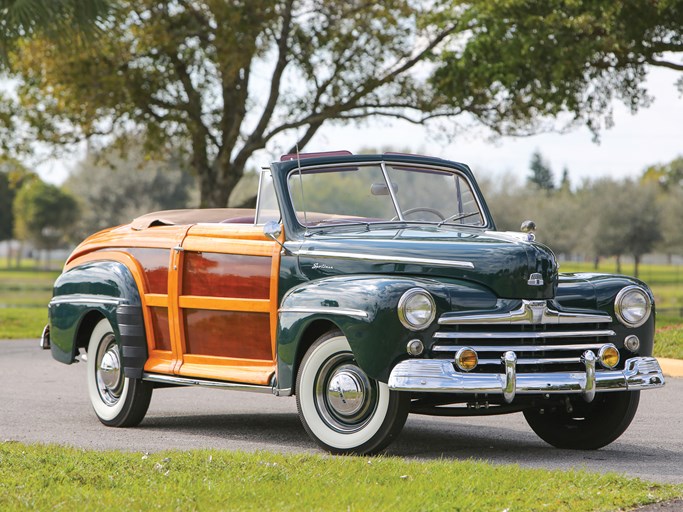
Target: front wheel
585 426
341 408
117 400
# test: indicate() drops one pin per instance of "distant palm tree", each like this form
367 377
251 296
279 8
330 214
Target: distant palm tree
52 18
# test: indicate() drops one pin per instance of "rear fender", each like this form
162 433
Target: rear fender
95 289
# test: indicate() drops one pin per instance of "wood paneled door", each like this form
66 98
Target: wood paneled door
224 303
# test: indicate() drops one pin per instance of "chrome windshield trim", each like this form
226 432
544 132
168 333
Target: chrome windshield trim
385 258
394 199
85 299
486 220
521 335
327 311
519 348
531 312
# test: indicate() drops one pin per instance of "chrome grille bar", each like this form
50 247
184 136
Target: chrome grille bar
548 360
518 348
531 312
522 335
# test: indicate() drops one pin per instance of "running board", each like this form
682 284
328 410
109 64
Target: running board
190 381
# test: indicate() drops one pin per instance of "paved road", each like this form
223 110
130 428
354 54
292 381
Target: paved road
42 400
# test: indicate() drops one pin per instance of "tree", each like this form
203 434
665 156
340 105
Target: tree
668 175
113 188
539 58
541 173
627 220
672 217
186 75
53 18
12 177
44 214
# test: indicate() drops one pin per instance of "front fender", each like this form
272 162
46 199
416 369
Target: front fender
91 290
364 308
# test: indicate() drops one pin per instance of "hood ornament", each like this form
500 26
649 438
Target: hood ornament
529 226
535 279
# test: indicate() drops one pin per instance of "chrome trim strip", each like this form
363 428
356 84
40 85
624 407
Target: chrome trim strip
519 348
189 381
334 311
531 312
439 376
85 299
384 258
522 335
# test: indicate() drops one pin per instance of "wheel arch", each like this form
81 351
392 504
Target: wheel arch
96 287
313 331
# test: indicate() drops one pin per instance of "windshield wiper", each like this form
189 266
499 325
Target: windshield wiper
322 227
456 217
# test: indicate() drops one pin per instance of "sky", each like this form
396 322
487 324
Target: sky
654 135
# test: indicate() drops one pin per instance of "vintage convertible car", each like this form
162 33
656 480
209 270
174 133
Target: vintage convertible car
369 286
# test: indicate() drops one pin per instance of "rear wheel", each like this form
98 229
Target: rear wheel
117 400
582 425
341 408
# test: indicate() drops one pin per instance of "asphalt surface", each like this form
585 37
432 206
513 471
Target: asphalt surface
43 401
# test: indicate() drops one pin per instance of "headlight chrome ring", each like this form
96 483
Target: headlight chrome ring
627 304
416 309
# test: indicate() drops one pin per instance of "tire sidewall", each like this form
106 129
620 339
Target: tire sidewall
315 358
106 413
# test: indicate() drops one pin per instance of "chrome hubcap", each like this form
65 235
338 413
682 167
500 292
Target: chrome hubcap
345 396
108 371
346 392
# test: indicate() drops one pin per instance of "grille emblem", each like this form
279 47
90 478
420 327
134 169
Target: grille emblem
535 279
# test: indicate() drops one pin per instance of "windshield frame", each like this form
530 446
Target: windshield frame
476 193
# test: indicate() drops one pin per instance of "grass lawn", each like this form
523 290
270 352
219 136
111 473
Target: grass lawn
34 477
18 323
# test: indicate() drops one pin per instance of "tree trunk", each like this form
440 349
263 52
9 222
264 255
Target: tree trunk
20 250
619 264
216 185
596 262
636 264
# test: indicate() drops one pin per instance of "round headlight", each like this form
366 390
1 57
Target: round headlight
416 309
632 306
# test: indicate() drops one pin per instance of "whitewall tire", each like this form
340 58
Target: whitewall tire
341 408
117 400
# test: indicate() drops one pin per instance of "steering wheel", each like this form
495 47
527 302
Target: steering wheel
433 211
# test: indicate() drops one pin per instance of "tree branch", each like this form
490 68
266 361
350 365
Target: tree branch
665 64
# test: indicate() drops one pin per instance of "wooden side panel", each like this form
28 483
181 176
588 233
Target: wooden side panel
154 263
162 333
226 275
233 334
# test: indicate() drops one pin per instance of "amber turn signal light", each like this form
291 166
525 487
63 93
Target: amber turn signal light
466 359
608 356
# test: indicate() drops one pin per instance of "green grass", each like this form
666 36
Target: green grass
18 323
50 477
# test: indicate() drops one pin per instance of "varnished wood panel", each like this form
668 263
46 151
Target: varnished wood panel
162 334
232 334
226 275
154 263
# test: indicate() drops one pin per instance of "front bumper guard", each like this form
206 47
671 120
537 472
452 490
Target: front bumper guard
440 376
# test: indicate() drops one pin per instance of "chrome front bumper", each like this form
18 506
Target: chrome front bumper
440 376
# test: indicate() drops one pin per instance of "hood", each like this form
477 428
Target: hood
502 262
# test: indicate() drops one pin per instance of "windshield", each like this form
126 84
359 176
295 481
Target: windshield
361 194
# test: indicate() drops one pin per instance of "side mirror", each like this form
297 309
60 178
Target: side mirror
272 230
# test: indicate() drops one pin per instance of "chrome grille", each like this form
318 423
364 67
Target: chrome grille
542 339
